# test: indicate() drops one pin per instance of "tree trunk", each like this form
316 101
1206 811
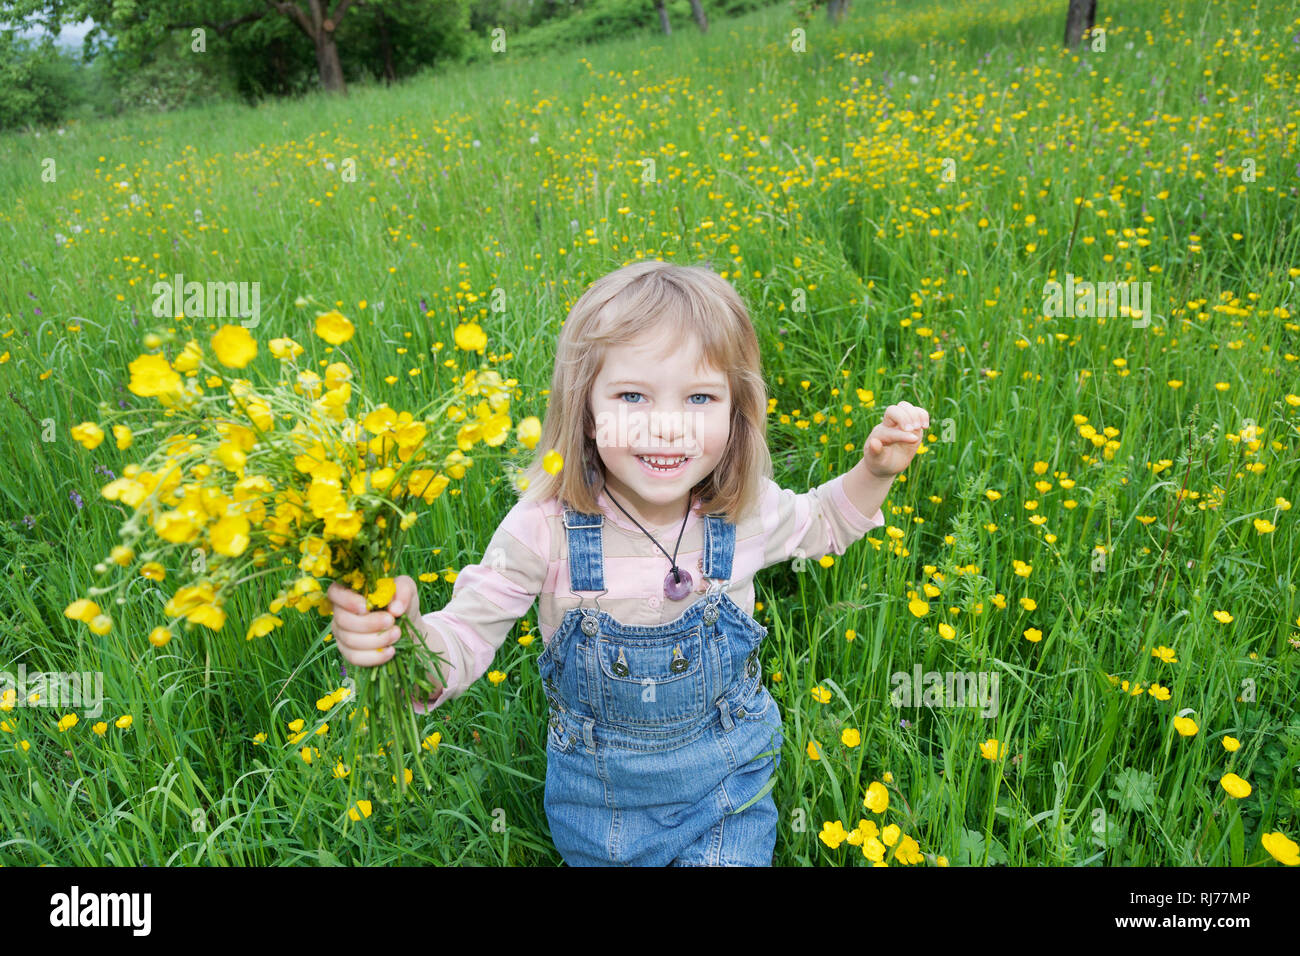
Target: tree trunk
663 17
327 60
836 9
1081 16
701 21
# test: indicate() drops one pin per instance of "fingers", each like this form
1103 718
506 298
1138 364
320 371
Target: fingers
887 436
405 596
341 597
906 415
367 658
364 638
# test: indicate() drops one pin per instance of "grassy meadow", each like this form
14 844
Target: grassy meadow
1100 516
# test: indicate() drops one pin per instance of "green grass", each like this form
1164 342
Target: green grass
812 177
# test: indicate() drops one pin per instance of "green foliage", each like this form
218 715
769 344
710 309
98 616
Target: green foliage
38 82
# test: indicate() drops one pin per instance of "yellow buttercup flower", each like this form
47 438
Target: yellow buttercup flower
991 750
234 345
406 774
382 595
1281 848
159 636
88 434
529 431
363 806
814 750
496 677
285 349
552 462
821 695
123 722
83 610
151 376
832 834
230 536
122 435
850 737
189 358
918 607
335 329
1235 786
877 798
67 722
908 852
1185 726
262 625
1231 744
873 850
431 742
470 337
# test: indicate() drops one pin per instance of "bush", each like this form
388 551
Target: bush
39 83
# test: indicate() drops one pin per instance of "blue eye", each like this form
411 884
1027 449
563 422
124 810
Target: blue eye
625 394
707 398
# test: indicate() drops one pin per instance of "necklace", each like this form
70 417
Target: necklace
677 583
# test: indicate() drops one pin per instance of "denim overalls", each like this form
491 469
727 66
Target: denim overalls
659 736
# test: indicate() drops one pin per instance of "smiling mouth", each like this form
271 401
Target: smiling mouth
664 464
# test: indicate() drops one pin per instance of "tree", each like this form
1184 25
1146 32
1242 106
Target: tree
697 11
697 14
1080 17
136 23
663 17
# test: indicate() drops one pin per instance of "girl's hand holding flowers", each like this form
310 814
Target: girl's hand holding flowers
893 443
366 638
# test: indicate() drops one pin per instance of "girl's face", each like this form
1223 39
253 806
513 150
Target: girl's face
658 399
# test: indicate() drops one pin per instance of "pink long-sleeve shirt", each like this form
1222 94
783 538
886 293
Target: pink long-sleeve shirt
527 559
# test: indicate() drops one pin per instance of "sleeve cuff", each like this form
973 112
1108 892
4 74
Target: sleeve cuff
859 522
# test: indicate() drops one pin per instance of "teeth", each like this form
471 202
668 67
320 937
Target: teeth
661 462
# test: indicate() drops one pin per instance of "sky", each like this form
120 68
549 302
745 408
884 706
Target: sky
69 36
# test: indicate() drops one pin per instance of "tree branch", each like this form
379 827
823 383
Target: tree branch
221 29
339 9
294 13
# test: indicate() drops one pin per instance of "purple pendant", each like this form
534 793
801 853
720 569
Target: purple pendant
676 590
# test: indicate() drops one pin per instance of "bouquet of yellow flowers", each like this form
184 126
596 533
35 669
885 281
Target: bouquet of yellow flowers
301 479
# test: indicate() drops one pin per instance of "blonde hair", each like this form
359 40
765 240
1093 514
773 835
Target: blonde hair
690 302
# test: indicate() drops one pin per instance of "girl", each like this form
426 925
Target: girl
643 549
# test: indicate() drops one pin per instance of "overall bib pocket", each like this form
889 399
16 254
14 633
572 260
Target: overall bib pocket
648 684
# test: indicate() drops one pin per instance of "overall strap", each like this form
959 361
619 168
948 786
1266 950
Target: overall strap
586 554
719 545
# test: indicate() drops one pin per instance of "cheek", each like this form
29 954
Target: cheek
716 431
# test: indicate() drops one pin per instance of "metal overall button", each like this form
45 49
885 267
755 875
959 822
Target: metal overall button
751 665
590 625
679 663
620 665
711 612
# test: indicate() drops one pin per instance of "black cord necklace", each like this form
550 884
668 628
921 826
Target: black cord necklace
677 583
